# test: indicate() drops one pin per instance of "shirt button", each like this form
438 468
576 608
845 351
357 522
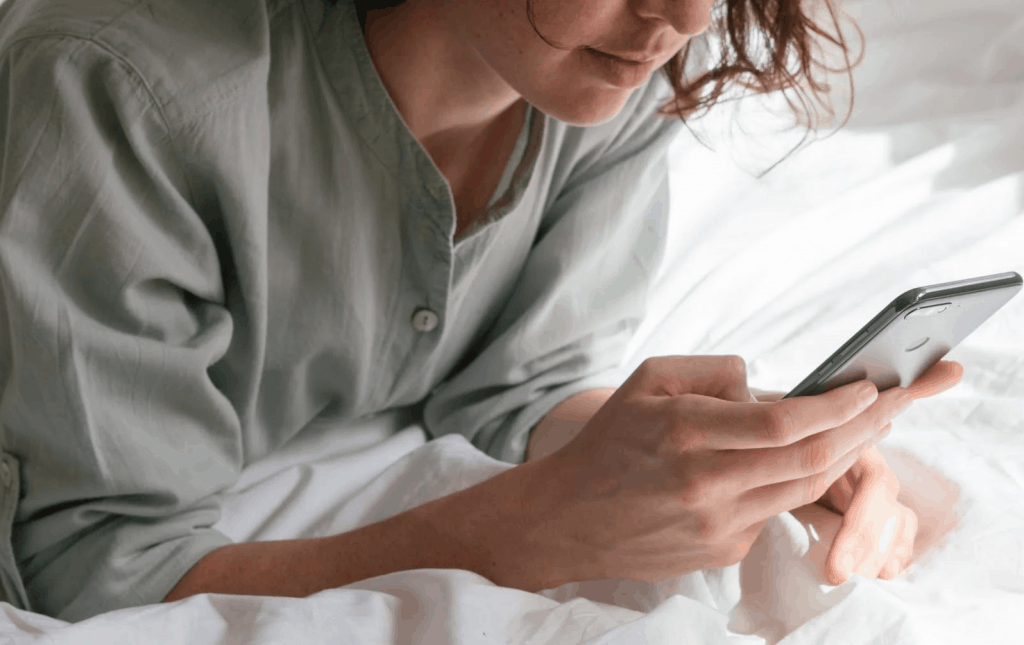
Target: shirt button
5 473
424 320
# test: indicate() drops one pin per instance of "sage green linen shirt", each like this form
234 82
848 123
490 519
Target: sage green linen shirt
215 228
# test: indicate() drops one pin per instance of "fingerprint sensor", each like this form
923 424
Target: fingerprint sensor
917 344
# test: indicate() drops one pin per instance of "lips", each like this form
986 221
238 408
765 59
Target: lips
639 59
619 72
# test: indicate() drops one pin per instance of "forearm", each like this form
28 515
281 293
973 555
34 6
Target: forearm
564 422
479 529
299 568
495 529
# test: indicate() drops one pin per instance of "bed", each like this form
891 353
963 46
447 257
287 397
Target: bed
924 185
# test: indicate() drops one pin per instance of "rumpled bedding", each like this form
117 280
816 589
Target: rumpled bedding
924 185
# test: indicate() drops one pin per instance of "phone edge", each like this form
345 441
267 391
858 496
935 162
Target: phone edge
906 300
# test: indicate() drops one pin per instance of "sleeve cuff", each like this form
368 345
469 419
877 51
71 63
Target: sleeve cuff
161 553
510 444
175 560
12 589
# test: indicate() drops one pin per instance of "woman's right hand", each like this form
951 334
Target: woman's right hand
680 469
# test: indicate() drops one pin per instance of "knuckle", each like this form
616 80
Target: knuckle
815 457
679 435
648 368
708 525
735 364
693 493
864 536
817 486
737 553
683 440
840 410
734 369
778 423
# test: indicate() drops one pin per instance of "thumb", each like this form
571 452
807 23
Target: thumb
939 378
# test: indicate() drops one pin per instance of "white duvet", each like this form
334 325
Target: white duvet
925 185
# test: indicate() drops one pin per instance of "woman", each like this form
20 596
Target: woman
221 221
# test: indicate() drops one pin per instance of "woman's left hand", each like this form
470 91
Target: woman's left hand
876 535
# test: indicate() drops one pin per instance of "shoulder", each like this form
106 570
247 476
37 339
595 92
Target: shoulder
189 54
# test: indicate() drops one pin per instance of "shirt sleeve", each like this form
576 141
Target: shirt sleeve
582 292
111 316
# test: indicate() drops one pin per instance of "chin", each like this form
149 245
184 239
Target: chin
589 108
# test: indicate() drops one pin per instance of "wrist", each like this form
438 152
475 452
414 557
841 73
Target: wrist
498 529
565 421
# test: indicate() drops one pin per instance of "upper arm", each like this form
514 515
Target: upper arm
113 314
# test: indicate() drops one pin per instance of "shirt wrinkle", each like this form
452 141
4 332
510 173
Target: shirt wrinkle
325 225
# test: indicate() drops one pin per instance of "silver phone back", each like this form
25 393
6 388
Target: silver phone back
909 343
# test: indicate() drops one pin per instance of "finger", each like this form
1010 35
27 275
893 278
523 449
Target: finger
821 525
728 425
899 556
770 500
863 548
874 558
812 457
840 495
939 378
891 570
746 469
904 550
872 525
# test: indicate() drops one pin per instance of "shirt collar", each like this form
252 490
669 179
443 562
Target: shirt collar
361 94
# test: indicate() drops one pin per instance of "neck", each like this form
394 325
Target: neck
445 92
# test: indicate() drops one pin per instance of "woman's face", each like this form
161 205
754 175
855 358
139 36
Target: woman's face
580 81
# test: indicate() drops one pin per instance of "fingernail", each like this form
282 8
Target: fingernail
866 393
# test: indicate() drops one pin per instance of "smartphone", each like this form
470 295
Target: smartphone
912 333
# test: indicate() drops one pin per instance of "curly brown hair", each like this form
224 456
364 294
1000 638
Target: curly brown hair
764 46
768 46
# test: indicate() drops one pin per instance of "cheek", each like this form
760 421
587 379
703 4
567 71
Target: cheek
577 23
563 83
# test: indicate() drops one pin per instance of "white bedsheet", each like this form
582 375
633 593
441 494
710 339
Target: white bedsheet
925 185
321 486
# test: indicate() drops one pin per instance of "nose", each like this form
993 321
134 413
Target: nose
687 17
